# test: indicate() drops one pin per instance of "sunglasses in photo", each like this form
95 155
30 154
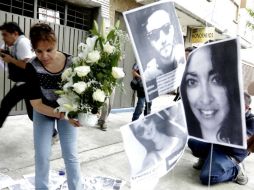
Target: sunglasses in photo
154 35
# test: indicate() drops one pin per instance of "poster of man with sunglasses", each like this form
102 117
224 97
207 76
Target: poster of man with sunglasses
158 45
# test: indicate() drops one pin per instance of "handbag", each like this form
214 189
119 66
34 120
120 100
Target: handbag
136 84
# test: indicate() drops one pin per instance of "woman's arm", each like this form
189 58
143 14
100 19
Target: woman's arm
135 74
44 109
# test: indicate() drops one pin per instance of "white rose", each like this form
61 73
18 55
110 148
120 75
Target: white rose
70 107
83 54
67 86
66 74
108 48
99 95
81 46
67 103
75 60
82 70
117 72
79 87
93 56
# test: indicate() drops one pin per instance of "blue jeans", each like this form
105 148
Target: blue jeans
43 130
223 168
139 108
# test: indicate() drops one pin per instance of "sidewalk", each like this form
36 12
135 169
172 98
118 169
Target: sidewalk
101 153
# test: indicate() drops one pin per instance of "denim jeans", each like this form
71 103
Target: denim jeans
139 108
106 108
223 168
43 130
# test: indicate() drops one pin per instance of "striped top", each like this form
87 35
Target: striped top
43 83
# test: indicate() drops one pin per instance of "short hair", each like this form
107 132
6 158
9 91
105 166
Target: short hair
11 27
247 98
41 32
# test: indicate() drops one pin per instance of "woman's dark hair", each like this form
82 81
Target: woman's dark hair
11 27
224 58
139 131
41 32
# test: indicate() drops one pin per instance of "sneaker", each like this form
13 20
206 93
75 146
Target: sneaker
199 164
241 177
103 127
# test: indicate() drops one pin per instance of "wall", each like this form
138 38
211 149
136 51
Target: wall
120 6
213 12
124 98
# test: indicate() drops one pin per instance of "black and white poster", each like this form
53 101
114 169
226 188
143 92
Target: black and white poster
158 45
154 144
212 94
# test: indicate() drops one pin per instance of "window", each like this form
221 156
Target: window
80 17
49 15
51 11
20 7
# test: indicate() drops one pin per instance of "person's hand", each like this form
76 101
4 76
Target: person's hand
74 122
7 58
250 143
62 115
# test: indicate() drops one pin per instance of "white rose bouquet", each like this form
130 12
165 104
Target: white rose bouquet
94 73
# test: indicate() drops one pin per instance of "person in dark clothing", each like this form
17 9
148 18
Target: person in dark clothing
188 50
16 53
141 96
226 161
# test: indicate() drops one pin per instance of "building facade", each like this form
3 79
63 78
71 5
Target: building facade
71 21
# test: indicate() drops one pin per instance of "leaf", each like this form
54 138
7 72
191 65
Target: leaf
111 35
102 30
99 76
95 29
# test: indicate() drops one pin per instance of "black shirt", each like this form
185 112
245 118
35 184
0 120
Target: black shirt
42 83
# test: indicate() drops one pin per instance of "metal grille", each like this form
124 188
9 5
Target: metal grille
51 11
80 17
20 7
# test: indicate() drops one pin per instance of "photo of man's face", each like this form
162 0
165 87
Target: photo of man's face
160 33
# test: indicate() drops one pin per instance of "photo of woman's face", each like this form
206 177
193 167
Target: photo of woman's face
149 130
206 95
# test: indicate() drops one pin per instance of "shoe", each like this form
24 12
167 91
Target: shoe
241 177
103 127
199 164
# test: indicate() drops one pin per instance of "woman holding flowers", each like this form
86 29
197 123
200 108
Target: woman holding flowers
44 73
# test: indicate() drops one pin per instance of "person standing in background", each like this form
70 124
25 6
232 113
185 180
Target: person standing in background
141 96
16 54
105 111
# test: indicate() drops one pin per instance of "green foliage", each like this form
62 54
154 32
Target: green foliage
251 24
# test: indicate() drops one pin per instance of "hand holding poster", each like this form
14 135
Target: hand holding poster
212 95
155 143
158 45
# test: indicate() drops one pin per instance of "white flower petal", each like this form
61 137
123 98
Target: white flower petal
117 72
